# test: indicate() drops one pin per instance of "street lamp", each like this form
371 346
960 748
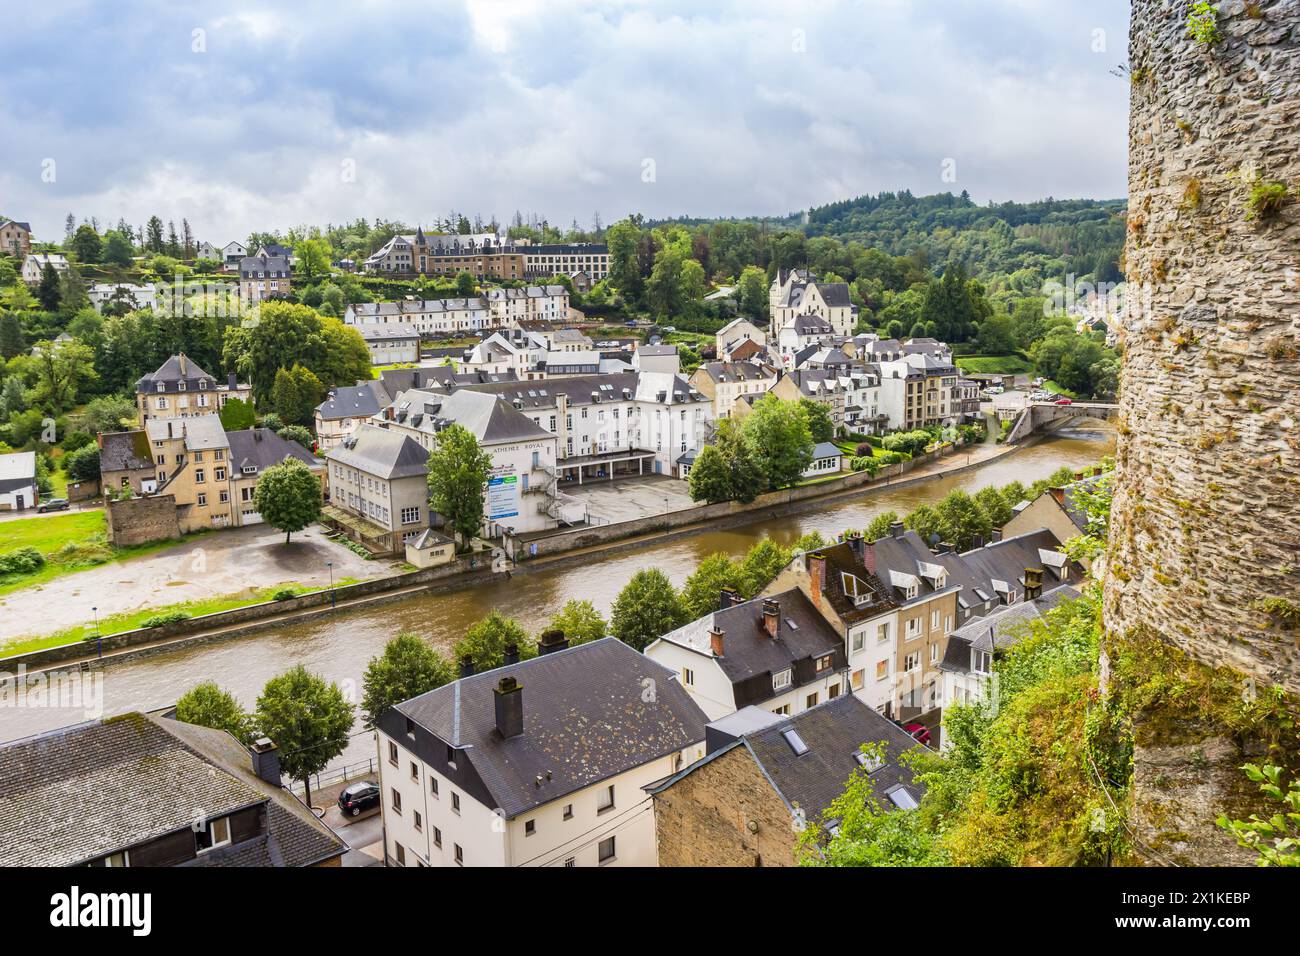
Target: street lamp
330 565
99 638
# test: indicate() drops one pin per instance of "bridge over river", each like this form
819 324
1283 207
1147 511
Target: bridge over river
1048 416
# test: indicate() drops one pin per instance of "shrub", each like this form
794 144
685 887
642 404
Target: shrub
1203 25
1266 200
158 620
21 561
863 450
284 594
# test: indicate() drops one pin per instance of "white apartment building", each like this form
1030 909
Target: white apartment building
797 292
494 770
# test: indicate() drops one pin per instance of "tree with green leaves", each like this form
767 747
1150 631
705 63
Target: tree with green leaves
752 294
108 413
288 334
762 563
458 475
487 639
308 719
647 608
11 336
118 250
296 433
407 667
313 258
86 244
819 419
82 464
710 476
465 284
962 522
777 431
288 496
925 521
703 589
207 705
61 370
580 622
48 290
237 414
994 505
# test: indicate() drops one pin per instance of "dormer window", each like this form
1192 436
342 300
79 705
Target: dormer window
180 386
781 680
855 588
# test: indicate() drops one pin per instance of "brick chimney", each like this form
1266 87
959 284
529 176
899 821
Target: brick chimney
716 635
511 654
1058 494
771 617
467 666
896 529
816 577
728 598
551 640
508 696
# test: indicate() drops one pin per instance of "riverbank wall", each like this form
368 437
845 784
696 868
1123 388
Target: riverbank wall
537 552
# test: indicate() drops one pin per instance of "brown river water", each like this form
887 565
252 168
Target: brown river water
339 646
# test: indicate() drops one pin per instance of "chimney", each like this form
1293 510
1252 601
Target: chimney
467 666
1058 494
266 761
551 640
231 381
716 635
181 362
855 541
945 547
817 577
896 529
512 654
996 535
509 698
1033 583
728 598
771 617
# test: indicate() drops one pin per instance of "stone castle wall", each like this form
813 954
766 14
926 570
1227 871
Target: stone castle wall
1205 540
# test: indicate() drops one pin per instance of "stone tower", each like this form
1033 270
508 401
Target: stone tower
1205 540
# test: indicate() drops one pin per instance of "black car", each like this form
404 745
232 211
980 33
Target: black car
53 504
358 797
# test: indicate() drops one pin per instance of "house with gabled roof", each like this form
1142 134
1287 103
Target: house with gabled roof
378 489
767 778
33 269
540 762
179 388
15 238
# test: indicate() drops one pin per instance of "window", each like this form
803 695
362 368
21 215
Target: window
605 853
606 801
934 653
833 691
419 821
397 801
856 678
882 633
203 501
455 802
392 753
530 827
824 662
781 680
811 701
859 641
688 677
913 628
882 670
568 811
410 515
437 838
459 854
934 619
570 861
401 854
433 785
871 762
415 771
795 741
912 661
215 833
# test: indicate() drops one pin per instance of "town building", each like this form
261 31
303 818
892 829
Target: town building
800 334
18 490
1059 510
378 489
15 238
180 389
919 390
657 358
734 334
827 459
724 383
346 409
797 293
126 462
768 778
144 790
133 296
34 266
565 259
537 763
774 652
232 253
391 344
264 277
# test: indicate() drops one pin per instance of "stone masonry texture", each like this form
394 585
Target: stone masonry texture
1205 530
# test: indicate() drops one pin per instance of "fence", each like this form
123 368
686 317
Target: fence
329 777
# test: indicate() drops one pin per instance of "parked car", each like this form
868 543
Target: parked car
1063 401
919 731
53 504
358 797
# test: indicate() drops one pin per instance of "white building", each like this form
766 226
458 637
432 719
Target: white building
734 333
797 292
34 266
539 763
18 490
143 296
391 344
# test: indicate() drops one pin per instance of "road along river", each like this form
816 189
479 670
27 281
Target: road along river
339 646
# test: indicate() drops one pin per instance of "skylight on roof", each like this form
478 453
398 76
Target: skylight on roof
872 762
901 798
795 741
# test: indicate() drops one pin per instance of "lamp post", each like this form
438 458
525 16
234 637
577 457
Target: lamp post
99 638
330 565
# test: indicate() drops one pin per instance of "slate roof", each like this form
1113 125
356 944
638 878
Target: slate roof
750 656
260 448
17 471
200 432
7 222
737 371
84 791
825 449
1000 629
746 349
352 401
833 733
178 368
125 451
269 266
843 559
811 325
487 417
380 452
585 720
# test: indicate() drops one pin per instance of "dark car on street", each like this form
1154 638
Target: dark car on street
54 504
359 797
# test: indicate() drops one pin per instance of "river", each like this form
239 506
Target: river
339 646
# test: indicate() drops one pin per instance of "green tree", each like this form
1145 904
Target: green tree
763 562
118 250
11 336
86 244
647 608
465 284
408 667
751 293
61 370
926 522
703 589
296 433
487 639
580 622
207 705
313 257
288 334
154 235
623 239
994 505
47 292
236 415
710 477
961 521
458 477
308 719
288 496
778 433
819 419
108 413
82 464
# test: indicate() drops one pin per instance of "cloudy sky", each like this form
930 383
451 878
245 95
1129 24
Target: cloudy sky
254 115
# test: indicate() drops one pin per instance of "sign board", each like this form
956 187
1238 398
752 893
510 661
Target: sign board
503 497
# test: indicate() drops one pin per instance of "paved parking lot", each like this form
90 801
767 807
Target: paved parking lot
627 499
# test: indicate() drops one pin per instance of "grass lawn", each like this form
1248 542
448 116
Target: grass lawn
995 364
1059 389
130 620
85 531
